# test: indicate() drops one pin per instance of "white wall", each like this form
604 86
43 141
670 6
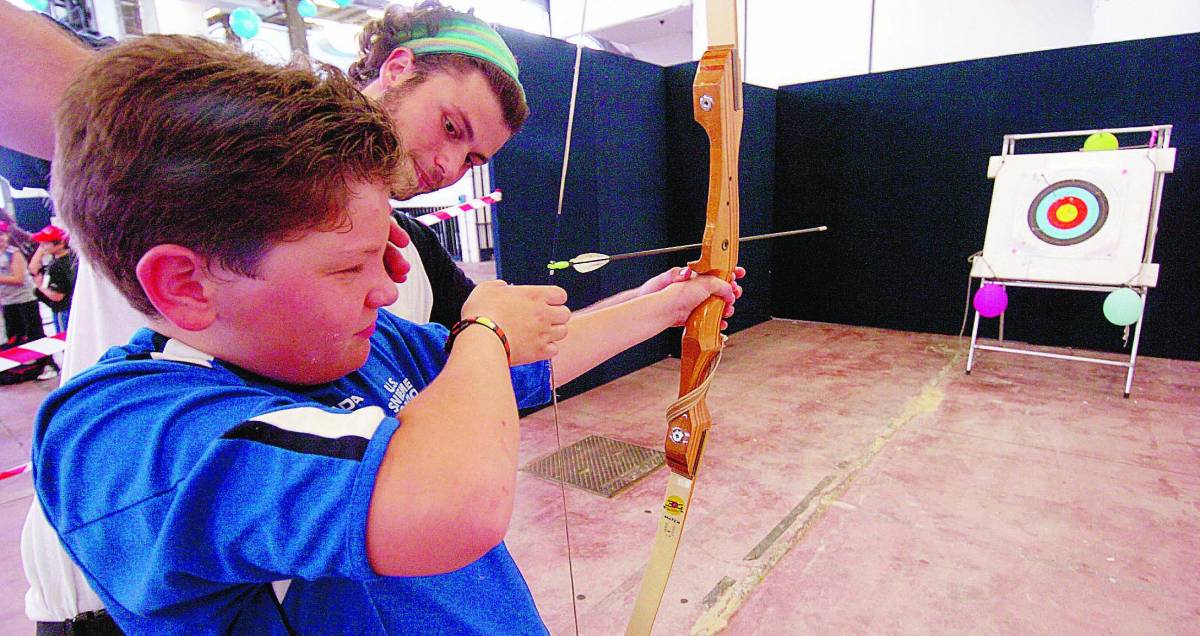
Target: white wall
664 51
912 33
108 18
1116 20
180 16
793 41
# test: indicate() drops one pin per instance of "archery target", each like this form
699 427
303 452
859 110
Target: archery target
1070 217
1068 212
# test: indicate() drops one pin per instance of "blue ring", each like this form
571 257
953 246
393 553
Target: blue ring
1039 212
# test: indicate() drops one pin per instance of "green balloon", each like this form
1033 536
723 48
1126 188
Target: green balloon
1123 307
306 8
1101 141
40 5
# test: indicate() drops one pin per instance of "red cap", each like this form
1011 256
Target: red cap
49 234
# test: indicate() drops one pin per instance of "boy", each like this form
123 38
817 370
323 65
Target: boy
274 424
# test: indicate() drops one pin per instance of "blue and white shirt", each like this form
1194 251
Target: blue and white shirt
183 486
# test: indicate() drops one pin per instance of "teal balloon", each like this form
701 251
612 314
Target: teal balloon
244 22
344 3
307 8
40 5
1123 307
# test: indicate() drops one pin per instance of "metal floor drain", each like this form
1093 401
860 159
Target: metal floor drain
597 464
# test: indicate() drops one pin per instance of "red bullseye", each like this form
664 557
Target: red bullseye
1067 212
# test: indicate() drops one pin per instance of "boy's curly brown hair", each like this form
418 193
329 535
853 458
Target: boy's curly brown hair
181 140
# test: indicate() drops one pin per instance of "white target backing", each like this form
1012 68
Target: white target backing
1072 217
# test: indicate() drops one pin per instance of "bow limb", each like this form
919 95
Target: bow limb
717 103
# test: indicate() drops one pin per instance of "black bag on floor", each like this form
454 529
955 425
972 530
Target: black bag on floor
25 372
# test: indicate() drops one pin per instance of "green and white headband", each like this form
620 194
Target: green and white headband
467 35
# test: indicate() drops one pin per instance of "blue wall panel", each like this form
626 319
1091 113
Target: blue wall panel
896 164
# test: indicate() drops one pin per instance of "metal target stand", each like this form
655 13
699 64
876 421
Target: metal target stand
1145 278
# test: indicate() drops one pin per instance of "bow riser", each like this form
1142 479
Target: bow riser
713 102
716 110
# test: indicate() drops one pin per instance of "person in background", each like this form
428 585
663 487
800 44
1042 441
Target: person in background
54 268
22 319
17 236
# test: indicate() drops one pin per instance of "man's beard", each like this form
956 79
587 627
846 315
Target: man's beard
406 185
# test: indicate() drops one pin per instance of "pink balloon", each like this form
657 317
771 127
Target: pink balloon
991 300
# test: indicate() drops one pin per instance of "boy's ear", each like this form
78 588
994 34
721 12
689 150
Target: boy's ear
396 67
175 280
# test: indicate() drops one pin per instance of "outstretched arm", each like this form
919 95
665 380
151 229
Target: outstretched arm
444 492
40 61
661 281
598 334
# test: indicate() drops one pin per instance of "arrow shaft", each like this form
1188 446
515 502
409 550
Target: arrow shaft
680 248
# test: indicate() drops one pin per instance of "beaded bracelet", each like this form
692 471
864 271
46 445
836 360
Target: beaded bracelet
482 321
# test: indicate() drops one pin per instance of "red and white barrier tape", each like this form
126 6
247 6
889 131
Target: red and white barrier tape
26 354
32 351
455 210
16 470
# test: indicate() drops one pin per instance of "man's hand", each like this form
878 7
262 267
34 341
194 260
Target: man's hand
533 317
397 268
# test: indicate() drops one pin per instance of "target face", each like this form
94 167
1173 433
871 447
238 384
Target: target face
1068 212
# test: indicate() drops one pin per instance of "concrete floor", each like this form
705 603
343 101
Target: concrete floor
856 481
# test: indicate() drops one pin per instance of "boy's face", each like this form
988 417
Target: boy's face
308 315
448 123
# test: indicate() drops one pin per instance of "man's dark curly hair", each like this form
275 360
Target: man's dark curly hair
398 25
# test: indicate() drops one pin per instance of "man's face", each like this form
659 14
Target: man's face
449 122
308 314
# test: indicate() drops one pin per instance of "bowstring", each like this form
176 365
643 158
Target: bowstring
562 185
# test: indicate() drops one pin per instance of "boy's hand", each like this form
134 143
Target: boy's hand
35 261
688 294
397 268
533 317
665 279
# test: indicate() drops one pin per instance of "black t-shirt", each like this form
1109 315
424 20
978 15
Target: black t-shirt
60 277
449 284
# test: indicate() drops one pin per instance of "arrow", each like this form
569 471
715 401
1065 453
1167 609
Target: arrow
592 261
